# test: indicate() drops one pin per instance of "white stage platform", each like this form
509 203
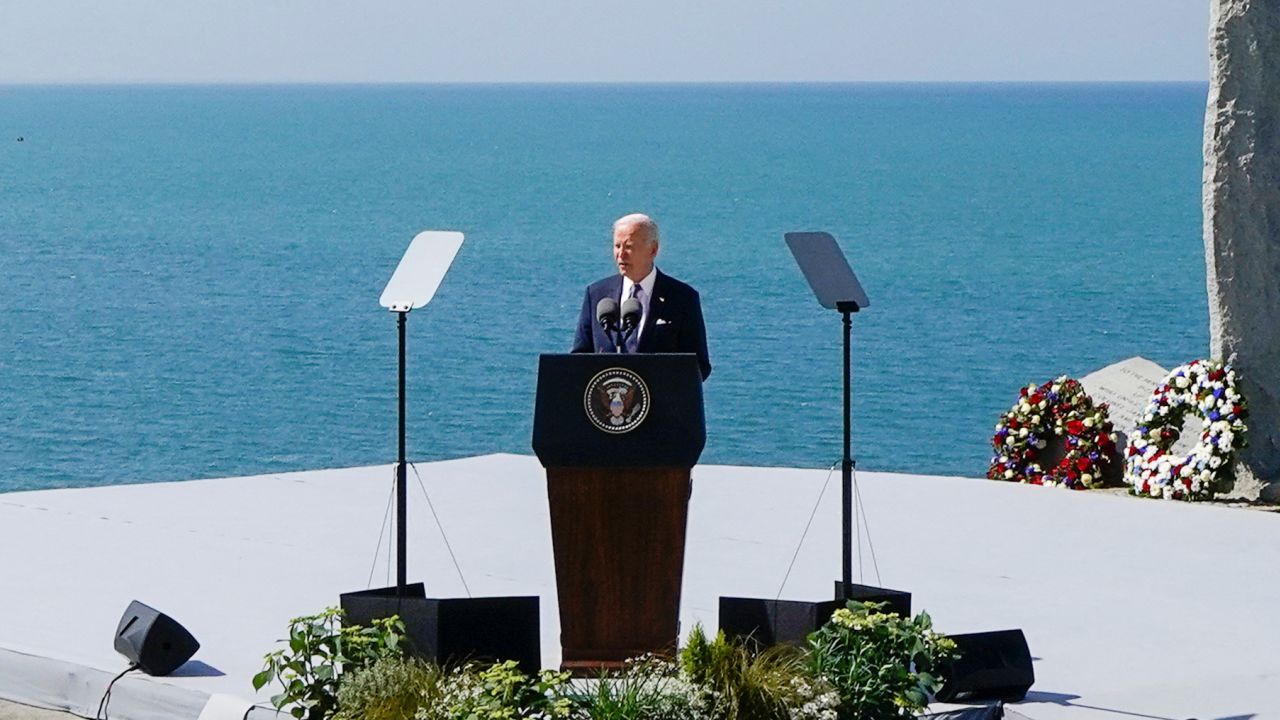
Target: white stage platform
1138 609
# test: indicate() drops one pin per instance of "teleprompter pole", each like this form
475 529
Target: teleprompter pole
846 511
836 287
401 478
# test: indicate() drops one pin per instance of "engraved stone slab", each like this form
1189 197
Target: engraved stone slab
1127 386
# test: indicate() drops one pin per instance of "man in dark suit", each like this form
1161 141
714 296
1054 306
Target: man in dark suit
671 321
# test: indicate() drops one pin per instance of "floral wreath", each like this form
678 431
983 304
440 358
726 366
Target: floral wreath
1204 387
1060 408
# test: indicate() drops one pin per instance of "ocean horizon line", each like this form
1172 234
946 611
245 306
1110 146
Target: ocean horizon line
592 83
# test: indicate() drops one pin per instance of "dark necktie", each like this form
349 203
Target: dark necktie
633 340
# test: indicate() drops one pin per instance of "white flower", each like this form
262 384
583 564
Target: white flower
1181 381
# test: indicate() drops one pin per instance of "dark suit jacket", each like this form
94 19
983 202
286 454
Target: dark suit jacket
674 324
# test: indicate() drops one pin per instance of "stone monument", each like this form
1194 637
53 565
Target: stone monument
1242 222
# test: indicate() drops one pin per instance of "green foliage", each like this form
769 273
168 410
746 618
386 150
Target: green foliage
502 692
862 665
648 688
392 688
883 666
739 683
319 650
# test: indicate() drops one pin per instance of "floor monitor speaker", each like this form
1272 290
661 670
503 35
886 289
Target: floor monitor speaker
153 641
991 666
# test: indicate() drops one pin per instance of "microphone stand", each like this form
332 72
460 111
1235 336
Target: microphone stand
629 316
614 333
628 329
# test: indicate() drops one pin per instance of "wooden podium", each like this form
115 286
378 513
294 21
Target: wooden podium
618 435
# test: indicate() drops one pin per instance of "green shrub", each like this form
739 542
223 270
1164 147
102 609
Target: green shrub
319 650
883 666
647 688
392 688
502 692
740 684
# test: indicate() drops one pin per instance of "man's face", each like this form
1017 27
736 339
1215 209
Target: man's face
633 252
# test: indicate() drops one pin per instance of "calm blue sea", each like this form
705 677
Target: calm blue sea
189 276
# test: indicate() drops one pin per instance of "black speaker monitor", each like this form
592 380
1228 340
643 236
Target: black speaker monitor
153 641
991 666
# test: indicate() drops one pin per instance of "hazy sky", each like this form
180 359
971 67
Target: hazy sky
53 41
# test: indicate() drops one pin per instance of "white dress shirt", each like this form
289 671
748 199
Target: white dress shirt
646 294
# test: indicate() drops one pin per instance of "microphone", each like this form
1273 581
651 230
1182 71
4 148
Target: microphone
631 311
607 313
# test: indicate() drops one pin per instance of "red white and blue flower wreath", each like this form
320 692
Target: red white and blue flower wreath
1208 389
1059 408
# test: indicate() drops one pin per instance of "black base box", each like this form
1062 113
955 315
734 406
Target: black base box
789 622
773 622
456 630
896 602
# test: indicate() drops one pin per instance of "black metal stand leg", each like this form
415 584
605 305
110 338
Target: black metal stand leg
847 464
401 479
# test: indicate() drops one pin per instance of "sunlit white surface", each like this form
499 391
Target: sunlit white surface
421 270
1131 608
